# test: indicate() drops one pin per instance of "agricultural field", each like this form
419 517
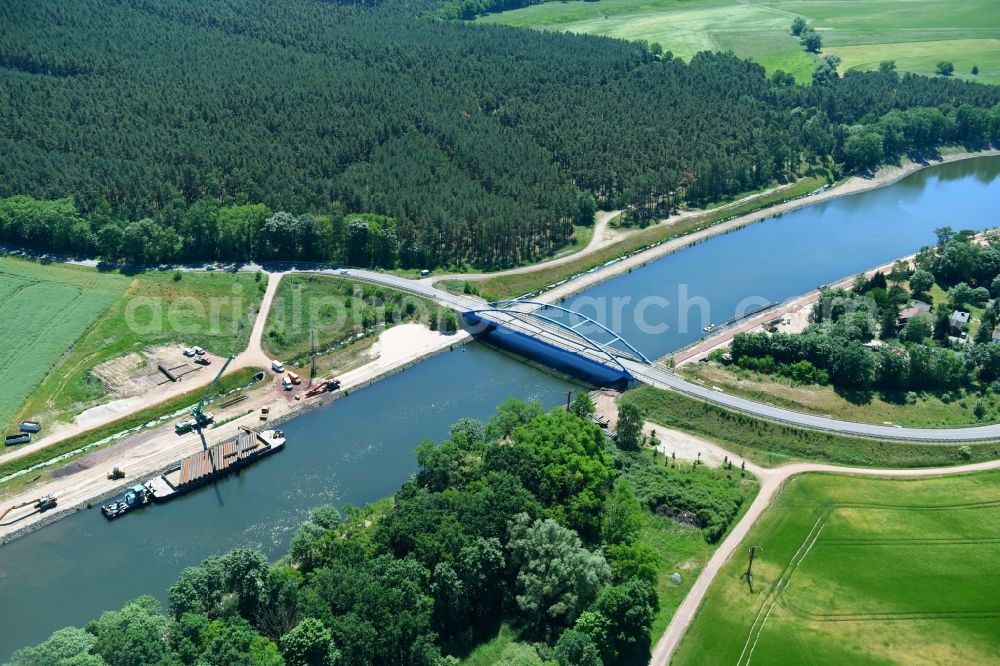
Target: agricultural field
213 310
43 311
853 570
344 314
917 34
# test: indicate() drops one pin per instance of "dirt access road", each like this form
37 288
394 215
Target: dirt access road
853 185
602 237
690 447
771 480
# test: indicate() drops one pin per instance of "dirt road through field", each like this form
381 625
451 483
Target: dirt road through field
771 481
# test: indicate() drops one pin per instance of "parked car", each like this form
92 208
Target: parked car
425 272
203 360
199 351
277 366
286 384
188 351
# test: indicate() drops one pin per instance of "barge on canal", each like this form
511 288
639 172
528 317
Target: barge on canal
214 463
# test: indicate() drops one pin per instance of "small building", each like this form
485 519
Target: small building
959 321
916 307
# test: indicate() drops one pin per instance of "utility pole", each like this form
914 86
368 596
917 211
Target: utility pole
748 574
312 357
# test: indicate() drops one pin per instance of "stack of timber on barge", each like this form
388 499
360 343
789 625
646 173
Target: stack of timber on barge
215 462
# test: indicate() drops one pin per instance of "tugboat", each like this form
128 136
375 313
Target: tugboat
137 496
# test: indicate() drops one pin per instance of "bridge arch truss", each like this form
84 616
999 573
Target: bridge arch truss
535 311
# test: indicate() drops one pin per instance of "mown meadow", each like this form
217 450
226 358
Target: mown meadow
917 35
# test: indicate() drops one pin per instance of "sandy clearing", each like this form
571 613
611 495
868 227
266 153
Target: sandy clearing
402 342
674 443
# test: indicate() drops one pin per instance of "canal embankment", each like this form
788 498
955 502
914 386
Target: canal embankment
884 177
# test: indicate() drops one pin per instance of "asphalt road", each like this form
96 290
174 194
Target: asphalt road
663 378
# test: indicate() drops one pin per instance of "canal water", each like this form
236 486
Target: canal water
663 306
354 450
361 448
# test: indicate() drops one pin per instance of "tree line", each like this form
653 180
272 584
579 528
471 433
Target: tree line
929 351
473 144
530 520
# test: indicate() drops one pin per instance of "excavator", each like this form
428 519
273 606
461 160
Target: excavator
41 504
199 417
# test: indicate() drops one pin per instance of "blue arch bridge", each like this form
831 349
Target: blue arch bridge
558 338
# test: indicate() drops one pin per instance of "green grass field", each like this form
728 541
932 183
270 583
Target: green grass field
917 34
861 571
341 311
43 311
769 444
928 410
213 310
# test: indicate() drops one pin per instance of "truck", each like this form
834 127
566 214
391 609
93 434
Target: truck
45 503
277 366
294 377
286 384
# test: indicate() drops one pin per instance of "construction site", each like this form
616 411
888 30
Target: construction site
87 480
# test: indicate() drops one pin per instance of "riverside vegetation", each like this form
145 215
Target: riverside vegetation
533 528
858 342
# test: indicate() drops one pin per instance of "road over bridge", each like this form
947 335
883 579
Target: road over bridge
661 377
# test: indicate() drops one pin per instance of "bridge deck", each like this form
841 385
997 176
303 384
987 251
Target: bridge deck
552 335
